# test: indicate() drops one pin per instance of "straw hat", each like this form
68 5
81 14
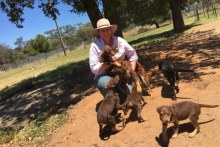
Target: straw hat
103 23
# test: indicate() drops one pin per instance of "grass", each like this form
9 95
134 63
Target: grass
38 132
158 34
58 68
13 76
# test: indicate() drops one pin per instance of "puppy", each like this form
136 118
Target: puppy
107 53
108 105
144 78
122 68
181 111
170 72
136 101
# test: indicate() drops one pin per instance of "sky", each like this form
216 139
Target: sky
36 23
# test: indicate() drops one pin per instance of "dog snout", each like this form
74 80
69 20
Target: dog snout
165 121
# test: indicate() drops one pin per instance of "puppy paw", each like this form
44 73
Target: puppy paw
139 89
143 119
117 129
175 136
193 134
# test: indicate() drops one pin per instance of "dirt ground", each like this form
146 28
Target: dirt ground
196 49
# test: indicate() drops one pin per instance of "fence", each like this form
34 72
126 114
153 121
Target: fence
30 59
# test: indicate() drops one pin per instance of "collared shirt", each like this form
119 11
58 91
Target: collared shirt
125 51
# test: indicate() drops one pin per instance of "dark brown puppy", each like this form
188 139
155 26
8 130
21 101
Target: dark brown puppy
108 105
124 65
181 111
122 68
106 56
136 101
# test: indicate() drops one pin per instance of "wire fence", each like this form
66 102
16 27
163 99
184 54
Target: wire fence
29 60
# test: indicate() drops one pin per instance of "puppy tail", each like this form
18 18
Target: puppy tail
183 70
208 106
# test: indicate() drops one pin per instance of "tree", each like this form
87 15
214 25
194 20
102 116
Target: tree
86 6
14 10
178 22
40 44
84 33
155 11
29 50
110 8
19 43
6 54
51 11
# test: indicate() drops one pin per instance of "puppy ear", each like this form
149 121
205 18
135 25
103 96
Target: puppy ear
173 109
101 56
158 109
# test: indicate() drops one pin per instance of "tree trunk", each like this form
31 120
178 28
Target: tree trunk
207 10
58 31
197 13
157 25
111 13
214 10
178 22
93 11
61 40
203 8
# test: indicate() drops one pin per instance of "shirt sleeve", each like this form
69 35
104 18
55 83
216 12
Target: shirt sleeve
94 62
126 51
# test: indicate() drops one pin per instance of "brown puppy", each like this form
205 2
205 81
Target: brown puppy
122 68
122 65
180 111
108 105
136 101
106 55
145 82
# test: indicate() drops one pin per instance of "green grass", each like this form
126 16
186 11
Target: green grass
13 76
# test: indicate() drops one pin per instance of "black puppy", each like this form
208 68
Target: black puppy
181 111
170 71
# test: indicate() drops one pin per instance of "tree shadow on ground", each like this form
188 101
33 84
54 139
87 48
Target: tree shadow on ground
49 93
190 51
